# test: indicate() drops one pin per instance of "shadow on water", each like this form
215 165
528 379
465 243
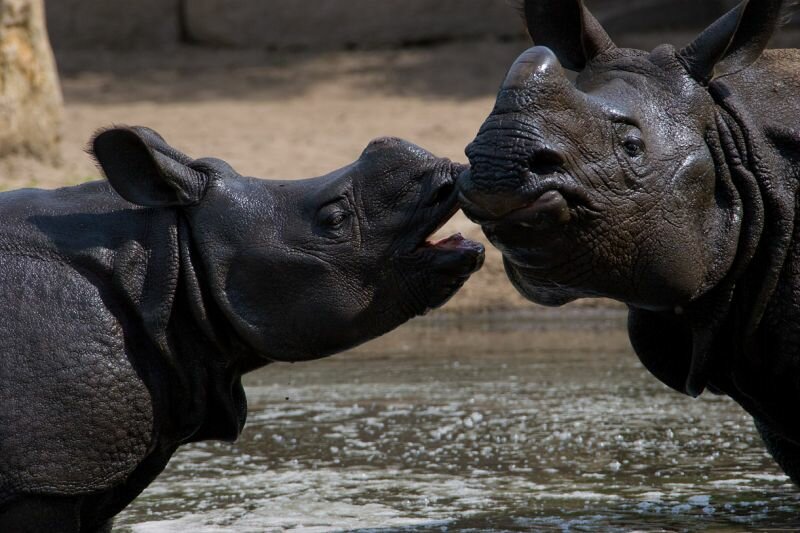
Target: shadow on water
539 421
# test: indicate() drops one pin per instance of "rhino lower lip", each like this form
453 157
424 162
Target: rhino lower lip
455 258
549 207
544 205
455 243
525 244
548 212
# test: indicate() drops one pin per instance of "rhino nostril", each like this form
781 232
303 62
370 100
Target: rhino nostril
545 161
444 192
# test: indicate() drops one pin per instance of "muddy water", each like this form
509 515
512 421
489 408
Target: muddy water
494 423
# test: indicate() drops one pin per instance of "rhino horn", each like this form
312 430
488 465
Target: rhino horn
569 29
535 62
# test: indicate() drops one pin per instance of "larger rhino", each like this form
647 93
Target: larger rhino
132 307
667 180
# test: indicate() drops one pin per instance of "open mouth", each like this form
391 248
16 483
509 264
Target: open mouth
453 243
452 259
444 204
439 267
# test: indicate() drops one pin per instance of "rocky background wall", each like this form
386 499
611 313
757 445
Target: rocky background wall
287 24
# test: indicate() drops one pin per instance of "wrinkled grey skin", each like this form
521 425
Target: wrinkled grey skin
666 180
131 308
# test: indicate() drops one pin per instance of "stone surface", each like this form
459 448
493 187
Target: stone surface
344 23
30 97
324 24
658 15
365 23
122 24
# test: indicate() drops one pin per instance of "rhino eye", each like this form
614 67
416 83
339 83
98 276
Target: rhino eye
333 219
633 146
336 219
629 137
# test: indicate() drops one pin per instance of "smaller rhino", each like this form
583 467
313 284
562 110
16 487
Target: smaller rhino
667 180
132 307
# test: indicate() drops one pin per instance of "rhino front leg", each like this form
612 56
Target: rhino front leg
785 452
34 514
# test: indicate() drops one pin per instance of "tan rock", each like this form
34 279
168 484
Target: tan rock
30 96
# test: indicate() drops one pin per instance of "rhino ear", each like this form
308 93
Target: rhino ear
736 40
145 170
568 29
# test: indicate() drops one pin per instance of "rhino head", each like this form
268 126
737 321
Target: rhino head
303 269
614 184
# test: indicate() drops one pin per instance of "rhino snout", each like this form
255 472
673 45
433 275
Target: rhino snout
489 191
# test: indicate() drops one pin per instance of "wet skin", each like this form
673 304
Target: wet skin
666 180
134 306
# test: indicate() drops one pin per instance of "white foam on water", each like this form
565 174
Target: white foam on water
700 500
305 517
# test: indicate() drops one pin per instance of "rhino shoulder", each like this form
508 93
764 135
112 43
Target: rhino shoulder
76 415
771 86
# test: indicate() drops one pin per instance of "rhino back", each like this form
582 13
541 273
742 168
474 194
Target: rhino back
76 417
77 222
